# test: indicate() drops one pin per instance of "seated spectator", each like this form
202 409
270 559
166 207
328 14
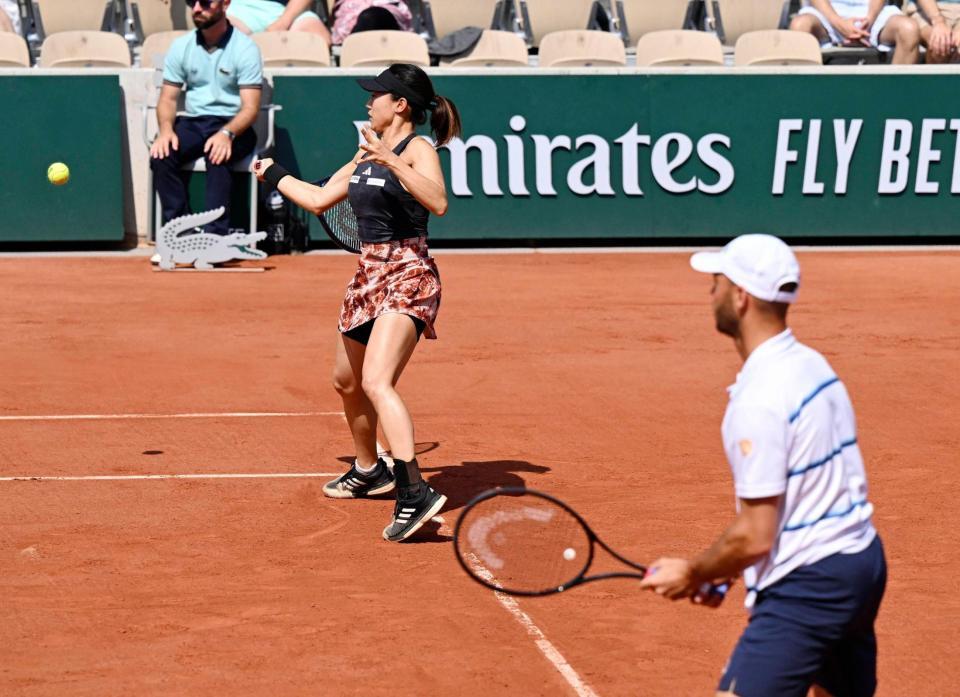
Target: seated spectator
351 16
9 16
221 71
939 28
870 23
255 16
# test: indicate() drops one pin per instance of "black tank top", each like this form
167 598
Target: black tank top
385 210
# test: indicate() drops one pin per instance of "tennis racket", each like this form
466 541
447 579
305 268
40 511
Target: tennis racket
340 223
524 542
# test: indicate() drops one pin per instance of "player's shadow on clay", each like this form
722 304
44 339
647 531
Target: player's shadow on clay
462 482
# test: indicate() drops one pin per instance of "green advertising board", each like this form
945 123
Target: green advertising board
71 119
671 155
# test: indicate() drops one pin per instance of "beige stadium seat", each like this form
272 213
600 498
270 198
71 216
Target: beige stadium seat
681 47
71 15
563 49
155 48
495 49
158 16
381 48
542 17
777 47
639 17
291 49
734 18
450 15
84 49
13 51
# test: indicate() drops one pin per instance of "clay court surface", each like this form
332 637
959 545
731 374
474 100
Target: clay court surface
596 377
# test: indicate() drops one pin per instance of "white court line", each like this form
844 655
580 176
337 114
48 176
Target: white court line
123 477
199 415
546 648
510 604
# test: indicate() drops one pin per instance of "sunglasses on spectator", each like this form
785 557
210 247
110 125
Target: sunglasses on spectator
205 4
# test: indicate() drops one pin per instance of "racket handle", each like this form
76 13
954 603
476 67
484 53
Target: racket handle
717 590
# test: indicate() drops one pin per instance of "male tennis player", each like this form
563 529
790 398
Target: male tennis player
810 557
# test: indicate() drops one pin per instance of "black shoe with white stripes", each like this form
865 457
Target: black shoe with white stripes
356 485
415 505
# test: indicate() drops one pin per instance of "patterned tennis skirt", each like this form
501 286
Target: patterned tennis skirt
396 276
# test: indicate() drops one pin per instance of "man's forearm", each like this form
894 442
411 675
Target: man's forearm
166 115
826 9
734 551
931 11
244 119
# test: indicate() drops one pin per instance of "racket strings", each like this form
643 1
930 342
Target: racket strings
523 543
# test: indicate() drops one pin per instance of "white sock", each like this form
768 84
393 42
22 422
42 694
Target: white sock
364 470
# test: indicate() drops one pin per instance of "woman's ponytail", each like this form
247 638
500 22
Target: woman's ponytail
444 121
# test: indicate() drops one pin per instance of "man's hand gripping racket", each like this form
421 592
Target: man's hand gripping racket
524 542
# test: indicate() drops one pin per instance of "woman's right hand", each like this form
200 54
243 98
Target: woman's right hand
261 166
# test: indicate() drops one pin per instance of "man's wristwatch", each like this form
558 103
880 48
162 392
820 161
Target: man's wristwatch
228 133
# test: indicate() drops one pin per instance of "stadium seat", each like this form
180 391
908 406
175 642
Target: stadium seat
733 18
680 47
14 52
564 49
777 47
442 17
638 17
57 16
495 49
381 48
155 48
290 49
84 49
156 16
542 17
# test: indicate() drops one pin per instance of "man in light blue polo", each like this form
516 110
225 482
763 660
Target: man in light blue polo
221 70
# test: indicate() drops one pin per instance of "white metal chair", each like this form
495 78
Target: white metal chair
264 128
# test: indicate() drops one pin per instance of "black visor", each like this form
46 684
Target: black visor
390 83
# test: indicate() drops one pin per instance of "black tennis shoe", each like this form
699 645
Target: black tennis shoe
415 506
356 485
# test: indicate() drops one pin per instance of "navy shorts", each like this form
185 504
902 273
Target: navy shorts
814 627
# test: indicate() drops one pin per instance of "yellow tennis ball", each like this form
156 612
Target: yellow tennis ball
58 174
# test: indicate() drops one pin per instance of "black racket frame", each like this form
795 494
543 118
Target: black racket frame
577 580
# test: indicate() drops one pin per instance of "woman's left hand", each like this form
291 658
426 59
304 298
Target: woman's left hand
261 166
375 149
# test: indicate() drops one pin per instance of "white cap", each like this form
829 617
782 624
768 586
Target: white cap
760 264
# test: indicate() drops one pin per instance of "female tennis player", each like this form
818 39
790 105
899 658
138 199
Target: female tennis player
393 183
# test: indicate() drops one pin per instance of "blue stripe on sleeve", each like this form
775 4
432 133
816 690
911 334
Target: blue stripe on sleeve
809 398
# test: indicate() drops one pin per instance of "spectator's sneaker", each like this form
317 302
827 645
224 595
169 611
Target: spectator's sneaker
355 485
155 259
415 506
